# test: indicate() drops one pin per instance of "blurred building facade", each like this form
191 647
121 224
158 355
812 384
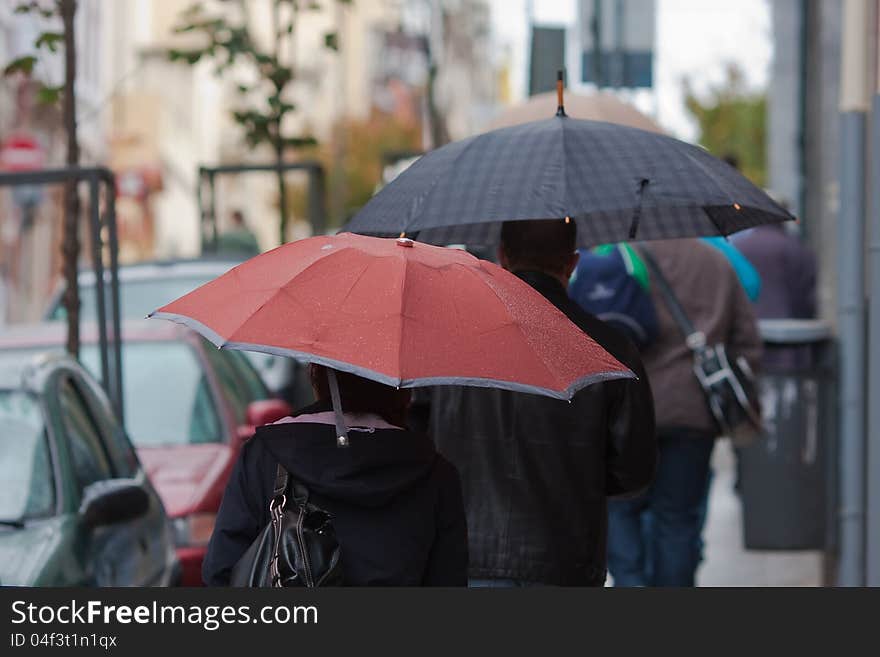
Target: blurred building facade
30 240
155 122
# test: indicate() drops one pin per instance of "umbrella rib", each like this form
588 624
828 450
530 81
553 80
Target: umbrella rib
402 323
564 172
436 180
279 290
522 333
707 172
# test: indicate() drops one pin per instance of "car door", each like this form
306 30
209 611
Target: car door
152 528
113 555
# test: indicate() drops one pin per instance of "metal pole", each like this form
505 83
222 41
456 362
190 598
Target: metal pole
212 210
317 213
597 44
530 45
803 80
98 263
851 292
873 520
113 238
200 201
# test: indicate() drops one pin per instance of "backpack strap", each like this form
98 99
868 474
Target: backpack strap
695 339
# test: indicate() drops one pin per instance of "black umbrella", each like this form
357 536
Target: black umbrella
618 183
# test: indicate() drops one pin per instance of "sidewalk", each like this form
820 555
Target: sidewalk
727 563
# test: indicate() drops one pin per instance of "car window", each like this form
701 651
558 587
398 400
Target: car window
136 298
248 376
232 382
27 483
122 453
87 452
167 398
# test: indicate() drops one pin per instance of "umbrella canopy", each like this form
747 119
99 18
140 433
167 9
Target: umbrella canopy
398 312
618 183
601 106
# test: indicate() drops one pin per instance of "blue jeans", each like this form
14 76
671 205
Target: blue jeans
655 539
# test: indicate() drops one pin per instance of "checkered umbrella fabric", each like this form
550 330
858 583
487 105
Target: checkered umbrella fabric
618 183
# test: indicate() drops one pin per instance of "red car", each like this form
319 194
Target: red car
189 407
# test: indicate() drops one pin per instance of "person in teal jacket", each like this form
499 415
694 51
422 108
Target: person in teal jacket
745 271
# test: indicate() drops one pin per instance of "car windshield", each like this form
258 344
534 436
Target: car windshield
137 298
27 487
167 397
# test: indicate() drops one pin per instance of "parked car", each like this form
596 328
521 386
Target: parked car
188 409
76 506
143 287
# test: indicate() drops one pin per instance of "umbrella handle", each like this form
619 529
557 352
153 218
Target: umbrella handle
341 430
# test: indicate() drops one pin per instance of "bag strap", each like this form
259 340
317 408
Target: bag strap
339 418
694 339
283 482
281 478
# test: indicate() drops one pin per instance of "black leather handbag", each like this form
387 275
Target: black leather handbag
729 384
297 548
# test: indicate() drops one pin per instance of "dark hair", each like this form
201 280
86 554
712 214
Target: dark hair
539 244
238 217
732 160
360 395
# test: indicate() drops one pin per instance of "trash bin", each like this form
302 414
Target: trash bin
786 477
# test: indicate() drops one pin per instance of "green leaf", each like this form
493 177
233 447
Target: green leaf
299 142
49 95
188 56
331 40
21 65
49 40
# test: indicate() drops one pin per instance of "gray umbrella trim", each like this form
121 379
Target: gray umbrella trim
221 343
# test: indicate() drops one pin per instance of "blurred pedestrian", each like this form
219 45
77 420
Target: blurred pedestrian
666 550
536 471
748 276
239 240
395 503
788 269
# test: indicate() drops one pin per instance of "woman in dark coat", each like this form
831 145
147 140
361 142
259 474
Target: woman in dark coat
396 503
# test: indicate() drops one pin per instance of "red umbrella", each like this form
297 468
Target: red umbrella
398 312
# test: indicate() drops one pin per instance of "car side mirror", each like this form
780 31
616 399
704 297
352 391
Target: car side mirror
258 413
113 501
266 411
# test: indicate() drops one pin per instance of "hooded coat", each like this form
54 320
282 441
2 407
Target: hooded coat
396 504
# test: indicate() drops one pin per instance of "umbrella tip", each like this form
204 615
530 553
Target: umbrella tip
560 105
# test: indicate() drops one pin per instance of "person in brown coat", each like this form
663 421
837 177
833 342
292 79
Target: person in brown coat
711 295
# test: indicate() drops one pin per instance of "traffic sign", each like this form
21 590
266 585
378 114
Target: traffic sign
21 152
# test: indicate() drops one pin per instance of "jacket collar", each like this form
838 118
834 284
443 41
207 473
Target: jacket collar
549 286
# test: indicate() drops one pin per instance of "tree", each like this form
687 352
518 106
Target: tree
368 141
49 42
226 39
733 121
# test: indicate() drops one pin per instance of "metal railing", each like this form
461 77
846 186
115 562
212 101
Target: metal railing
108 327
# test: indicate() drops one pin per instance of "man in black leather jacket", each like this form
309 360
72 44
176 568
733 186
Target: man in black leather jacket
536 472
